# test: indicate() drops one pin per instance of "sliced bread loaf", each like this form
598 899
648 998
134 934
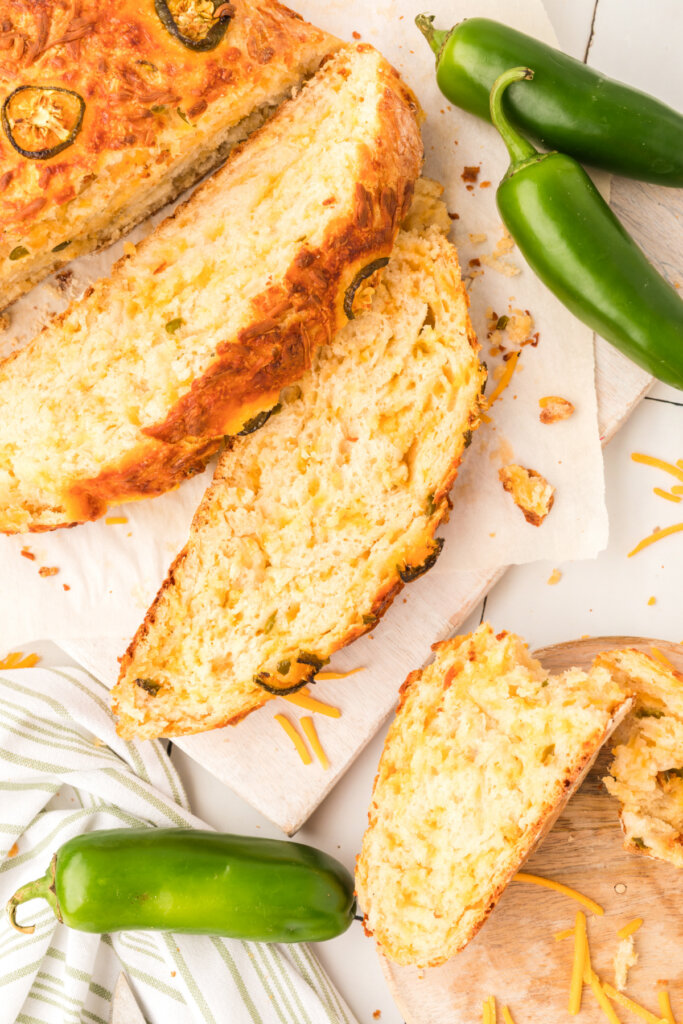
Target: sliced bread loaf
484 751
646 775
196 332
110 110
313 524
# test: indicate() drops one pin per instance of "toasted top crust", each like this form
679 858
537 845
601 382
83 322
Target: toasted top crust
150 102
312 524
484 751
225 303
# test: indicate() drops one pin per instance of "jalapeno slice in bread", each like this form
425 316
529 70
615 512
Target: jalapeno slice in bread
258 421
408 573
301 672
361 276
42 120
197 24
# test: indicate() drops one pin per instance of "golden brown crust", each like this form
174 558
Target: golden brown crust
290 321
149 100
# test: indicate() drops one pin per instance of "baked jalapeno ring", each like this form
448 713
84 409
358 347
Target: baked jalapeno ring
198 24
361 276
279 686
41 121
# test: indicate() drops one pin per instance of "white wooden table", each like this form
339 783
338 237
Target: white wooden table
636 41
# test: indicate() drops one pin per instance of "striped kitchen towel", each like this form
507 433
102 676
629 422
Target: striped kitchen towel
64 771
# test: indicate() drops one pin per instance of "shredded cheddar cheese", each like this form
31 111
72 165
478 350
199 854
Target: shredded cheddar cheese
591 978
507 1016
633 925
599 993
576 987
503 383
650 460
337 675
308 726
657 535
547 883
296 739
115 520
486 1012
564 934
629 1004
665 1006
665 494
493 1016
17 659
303 699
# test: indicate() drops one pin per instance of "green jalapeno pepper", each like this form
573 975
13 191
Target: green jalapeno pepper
185 880
572 107
571 240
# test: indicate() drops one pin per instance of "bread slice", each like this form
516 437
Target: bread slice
156 113
313 524
197 331
646 775
484 751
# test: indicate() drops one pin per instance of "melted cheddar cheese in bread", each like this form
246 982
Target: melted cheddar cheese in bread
193 336
485 750
109 110
646 775
313 523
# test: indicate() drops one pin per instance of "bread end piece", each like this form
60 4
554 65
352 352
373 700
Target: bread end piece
646 775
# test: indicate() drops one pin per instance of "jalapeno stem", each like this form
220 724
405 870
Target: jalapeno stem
519 149
42 888
436 37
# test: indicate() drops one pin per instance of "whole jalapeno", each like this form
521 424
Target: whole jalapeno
187 880
572 108
574 243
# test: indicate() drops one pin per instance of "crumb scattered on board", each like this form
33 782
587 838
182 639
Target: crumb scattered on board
530 491
554 408
555 577
48 570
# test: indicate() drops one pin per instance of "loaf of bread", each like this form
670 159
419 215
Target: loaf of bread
646 775
110 110
485 750
313 524
196 332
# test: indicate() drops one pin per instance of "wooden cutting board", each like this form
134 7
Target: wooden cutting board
515 956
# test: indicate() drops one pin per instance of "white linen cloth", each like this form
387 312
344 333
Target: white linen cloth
57 735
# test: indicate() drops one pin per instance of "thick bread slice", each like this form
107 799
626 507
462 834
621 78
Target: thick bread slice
158 114
195 334
646 775
482 755
312 525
